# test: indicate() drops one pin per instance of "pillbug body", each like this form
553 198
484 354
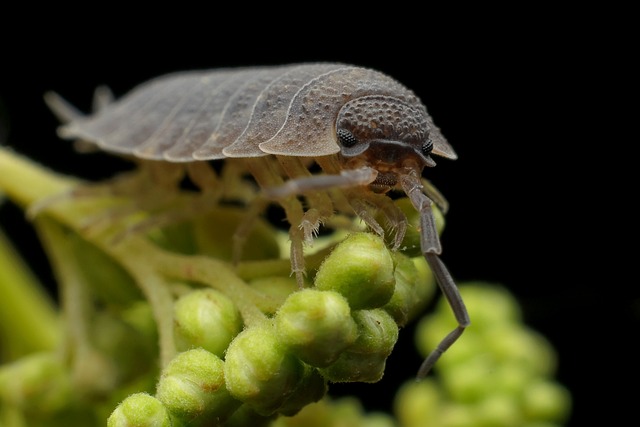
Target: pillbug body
368 134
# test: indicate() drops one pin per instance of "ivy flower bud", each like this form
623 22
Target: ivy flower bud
192 387
316 325
140 410
311 389
419 403
247 416
365 360
261 371
205 318
37 382
361 269
546 400
414 288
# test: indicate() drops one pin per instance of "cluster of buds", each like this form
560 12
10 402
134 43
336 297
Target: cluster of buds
161 326
341 329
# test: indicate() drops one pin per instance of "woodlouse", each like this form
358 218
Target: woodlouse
368 133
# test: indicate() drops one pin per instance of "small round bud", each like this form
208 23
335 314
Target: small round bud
470 381
316 325
311 389
261 371
546 400
192 386
361 269
140 410
517 343
245 416
498 410
365 360
414 289
495 328
205 318
490 305
418 403
37 382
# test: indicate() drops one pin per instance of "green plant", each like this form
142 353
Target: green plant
158 327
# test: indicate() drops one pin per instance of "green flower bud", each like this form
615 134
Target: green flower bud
472 380
38 382
414 288
140 410
365 360
455 414
499 410
544 400
247 416
261 371
487 304
418 403
517 343
192 387
348 411
312 388
361 269
496 328
316 325
482 376
205 318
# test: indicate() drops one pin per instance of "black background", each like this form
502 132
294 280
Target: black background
513 91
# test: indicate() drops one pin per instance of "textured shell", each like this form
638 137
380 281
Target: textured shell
239 112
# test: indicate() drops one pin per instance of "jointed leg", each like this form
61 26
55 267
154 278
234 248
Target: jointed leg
320 206
268 178
430 244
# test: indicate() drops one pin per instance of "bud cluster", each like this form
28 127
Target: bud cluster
340 330
501 374
160 328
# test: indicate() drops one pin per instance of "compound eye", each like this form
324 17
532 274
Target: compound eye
346 138
427 147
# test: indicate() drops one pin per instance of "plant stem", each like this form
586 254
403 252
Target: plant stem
152 268
28 316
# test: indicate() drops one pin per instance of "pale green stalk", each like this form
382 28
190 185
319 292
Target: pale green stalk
26 183
28 316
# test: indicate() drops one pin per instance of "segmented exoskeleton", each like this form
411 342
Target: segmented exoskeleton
367 132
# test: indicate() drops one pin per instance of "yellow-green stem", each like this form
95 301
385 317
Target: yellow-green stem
28 316
26 183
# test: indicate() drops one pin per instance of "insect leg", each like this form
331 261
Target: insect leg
347 178
102 97
350 179
320 204
435 195
268 177
360 199
396 219
63 110
431 249
204 177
